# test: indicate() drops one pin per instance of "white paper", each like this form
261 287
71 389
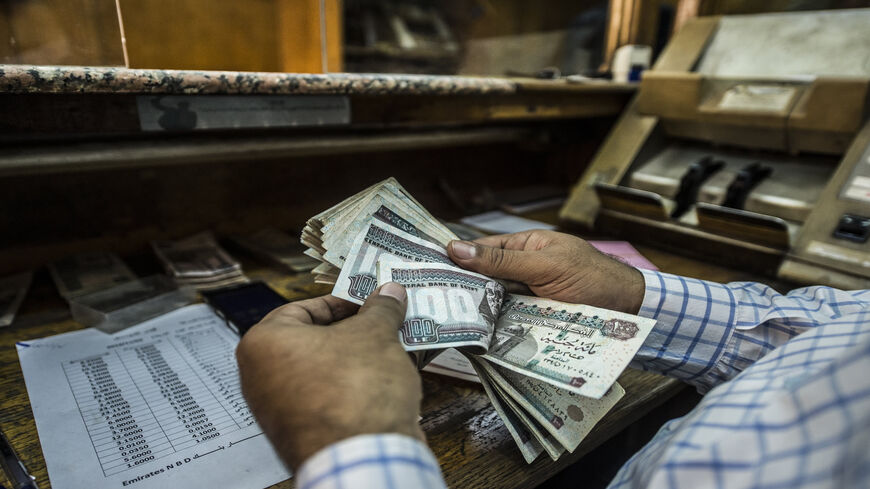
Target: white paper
765 98
451 363
157 405
500 222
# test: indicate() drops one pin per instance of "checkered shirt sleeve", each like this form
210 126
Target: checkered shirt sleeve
795 410
706 333
372 461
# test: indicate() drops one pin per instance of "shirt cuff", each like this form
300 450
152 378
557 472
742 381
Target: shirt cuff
694 323
372 461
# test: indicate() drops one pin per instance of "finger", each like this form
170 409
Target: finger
496 262
322 310
384 310
513 241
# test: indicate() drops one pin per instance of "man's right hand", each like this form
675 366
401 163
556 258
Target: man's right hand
556 266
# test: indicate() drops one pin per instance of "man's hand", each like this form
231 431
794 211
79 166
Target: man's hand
556 266
311 383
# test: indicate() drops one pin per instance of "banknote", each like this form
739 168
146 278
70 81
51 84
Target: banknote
381 208
359 276
330 234
200 262
387 194
550 445
325 273
528 445
316 222
447 307
338 248
579 348
567 416
346 208
88 272
451 363
196 256
12 291
398 196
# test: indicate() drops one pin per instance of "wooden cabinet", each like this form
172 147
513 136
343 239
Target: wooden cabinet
297 36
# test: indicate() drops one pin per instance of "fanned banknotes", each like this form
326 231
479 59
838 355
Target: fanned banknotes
549 368
331 234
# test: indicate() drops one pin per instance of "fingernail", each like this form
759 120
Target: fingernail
394 290
464 250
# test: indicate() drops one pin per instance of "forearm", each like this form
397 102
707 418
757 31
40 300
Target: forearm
372 461
706 333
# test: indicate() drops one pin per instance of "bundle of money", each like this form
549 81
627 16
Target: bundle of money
549 368
198 261
330 235
84 273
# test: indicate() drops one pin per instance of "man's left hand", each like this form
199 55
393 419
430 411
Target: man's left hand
314 374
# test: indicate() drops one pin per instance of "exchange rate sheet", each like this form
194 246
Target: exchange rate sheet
156 405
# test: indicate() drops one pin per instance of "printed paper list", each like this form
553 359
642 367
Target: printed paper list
163 395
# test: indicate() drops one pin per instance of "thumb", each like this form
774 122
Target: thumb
495 262
384 310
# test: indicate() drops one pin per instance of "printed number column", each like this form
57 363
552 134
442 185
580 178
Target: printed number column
121 426
215 356
184 407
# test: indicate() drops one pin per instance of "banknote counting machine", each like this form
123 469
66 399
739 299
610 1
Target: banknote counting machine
748 143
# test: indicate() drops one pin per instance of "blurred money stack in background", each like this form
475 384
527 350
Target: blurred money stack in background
82 274
549 368
198 261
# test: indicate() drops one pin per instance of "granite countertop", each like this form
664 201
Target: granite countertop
89 79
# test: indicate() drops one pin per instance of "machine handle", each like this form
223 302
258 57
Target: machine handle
691 182
747 179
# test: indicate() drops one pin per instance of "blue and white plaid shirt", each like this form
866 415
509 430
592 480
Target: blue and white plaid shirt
788 403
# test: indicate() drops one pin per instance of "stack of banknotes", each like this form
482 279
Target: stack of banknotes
199 261
549 368
85 273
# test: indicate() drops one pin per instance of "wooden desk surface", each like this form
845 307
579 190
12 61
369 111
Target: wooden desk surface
466 435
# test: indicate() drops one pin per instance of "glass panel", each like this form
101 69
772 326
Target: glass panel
60 32
474 37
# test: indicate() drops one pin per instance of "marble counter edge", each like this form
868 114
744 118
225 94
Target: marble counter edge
21 79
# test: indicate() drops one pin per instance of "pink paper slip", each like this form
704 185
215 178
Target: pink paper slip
624 252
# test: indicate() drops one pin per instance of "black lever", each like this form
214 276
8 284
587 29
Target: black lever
747 179
691 182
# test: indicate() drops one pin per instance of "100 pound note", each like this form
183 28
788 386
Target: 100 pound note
581 349
447 307
377 241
